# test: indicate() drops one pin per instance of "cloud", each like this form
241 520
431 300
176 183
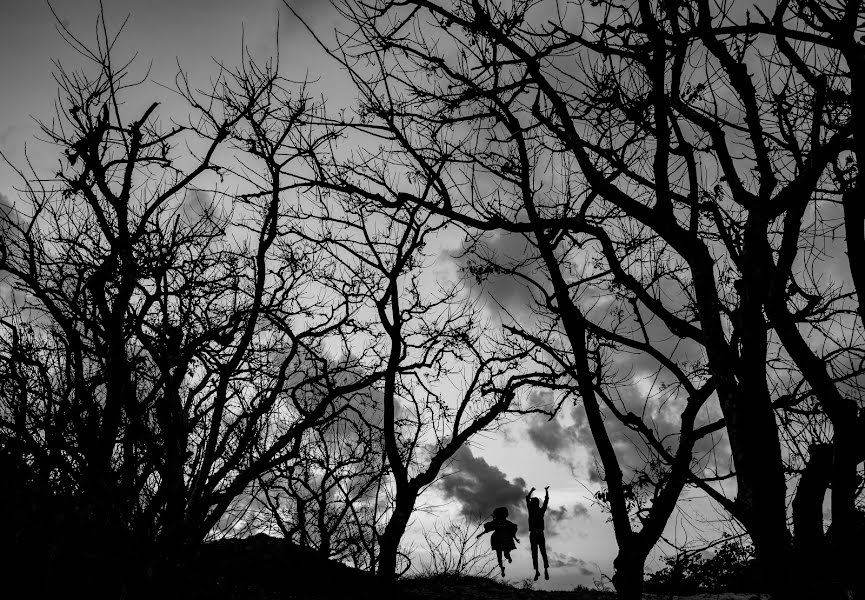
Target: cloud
560 560
627 444
5 133
5 205
197 204
322 17
642 387
557 515
9 218
474 261
557 441
660 411
480 487
552 438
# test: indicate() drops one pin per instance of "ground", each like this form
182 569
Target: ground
264 568
471 588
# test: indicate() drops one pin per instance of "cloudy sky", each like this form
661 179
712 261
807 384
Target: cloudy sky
498 468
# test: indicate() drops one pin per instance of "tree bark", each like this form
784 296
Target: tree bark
747 408
628 578
388 542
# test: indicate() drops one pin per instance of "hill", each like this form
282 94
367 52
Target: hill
266 568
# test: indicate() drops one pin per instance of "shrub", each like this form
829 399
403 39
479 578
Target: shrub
731 567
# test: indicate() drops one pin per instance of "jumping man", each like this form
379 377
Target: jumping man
536 529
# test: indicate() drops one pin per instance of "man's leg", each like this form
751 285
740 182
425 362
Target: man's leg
542 542
533 541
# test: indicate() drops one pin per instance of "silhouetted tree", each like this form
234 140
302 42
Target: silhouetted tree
162 337
727 566
445 380
453 549
329 497
677 169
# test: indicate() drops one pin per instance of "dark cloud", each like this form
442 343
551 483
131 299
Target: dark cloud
541 398
511 436
552 438
662 416
581 511
558 442
560 560
625 442
557 515
196 204
627 364
646 391
509 250
642 390
480 487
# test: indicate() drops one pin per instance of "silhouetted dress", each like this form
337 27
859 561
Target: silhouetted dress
503 534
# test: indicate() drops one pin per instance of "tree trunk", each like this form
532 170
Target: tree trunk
809 541
747 408
844 546
169 411
628 578
761 495
388 542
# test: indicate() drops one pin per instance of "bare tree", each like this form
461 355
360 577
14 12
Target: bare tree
163 338
444 379
326 499
670 166
453 549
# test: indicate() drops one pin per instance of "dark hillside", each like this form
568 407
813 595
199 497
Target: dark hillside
262 567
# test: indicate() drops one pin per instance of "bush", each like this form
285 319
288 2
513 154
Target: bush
730 568
453 549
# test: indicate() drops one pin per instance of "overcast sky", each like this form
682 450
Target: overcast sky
498 468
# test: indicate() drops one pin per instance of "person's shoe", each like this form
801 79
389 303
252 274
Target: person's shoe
510 560
537 575
503 571
546 574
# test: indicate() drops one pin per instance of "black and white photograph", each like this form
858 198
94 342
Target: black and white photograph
432 299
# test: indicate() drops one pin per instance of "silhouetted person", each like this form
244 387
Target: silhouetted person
536 529
503 537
